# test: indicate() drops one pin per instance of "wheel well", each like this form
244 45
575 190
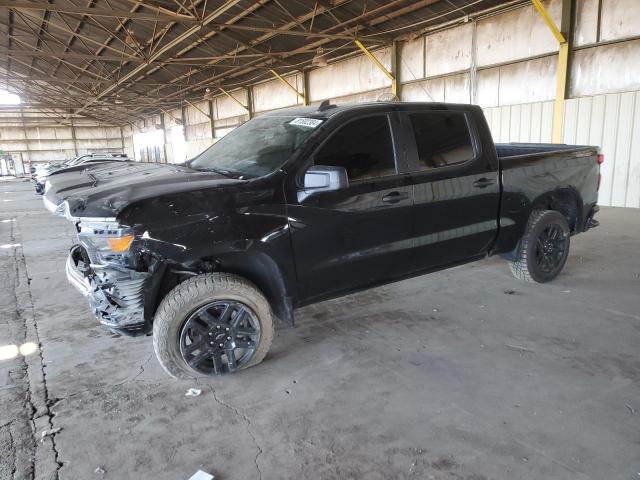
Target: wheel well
258 268
264 273
565 201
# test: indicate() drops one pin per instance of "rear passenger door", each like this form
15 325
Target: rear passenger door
456 188
360 235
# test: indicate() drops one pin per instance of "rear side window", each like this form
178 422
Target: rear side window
442 138
363 147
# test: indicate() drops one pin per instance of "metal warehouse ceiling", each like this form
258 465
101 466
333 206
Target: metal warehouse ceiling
117 60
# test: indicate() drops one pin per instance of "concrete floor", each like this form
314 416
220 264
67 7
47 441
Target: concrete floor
464 374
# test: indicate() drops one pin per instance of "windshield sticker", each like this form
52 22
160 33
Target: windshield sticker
305 122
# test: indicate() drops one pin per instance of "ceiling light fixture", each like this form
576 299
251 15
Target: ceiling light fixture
319 60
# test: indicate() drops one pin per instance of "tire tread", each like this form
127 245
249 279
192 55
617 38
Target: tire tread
185 296
520 268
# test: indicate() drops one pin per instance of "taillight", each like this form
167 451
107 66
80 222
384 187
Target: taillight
599 161
600 158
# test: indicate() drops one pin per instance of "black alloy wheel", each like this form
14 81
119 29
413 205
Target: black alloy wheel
551 245
219 337
544 247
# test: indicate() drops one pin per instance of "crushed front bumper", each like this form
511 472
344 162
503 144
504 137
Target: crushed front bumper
115 293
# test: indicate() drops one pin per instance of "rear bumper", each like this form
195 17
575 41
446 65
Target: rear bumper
115 293
590 221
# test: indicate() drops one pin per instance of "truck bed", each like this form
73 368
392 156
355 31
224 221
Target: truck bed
510 150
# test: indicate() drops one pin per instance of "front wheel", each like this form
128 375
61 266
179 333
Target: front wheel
212 324
544 247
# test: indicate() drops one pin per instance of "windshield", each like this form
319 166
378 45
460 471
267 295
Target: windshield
257 147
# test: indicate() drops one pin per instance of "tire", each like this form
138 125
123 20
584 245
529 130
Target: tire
533 263
183 309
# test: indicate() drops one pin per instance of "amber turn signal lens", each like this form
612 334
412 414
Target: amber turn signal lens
120 244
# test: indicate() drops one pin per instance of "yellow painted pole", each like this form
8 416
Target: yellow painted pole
561 83
279 77
377 63
561 71
549 21
235 100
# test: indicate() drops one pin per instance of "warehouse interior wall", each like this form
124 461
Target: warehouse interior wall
56 137
505 62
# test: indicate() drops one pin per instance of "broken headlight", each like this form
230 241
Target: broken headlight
103 239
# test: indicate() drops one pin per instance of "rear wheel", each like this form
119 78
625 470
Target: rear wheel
212 324
544 247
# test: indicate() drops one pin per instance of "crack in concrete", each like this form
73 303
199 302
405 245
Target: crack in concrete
247 421
18 333
14 466
55 401
7 424
20 260
141 367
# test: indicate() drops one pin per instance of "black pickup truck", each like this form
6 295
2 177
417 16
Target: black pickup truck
301 205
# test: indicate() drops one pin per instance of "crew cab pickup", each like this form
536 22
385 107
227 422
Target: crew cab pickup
301 205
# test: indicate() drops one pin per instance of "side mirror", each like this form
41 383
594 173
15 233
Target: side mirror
322 178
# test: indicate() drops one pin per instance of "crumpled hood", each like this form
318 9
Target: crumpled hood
104 190
43 171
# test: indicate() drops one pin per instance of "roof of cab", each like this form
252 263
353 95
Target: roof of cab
326 111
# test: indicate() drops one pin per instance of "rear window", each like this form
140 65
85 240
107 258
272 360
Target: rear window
442 138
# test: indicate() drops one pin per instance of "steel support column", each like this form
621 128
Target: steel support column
122 138
563 38
73 136
164 139
250 101
395 71
305 86
26 135
183 118
211 121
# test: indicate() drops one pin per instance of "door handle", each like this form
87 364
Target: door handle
483 183
395 197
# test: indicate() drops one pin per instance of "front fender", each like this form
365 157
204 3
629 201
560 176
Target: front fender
254 245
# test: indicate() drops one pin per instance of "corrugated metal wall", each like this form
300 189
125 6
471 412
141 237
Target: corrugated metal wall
57 142
610 121
530 122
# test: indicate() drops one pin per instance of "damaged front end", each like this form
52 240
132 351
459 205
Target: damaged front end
113 279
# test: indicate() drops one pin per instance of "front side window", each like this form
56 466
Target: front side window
442 138
258 147
363 147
